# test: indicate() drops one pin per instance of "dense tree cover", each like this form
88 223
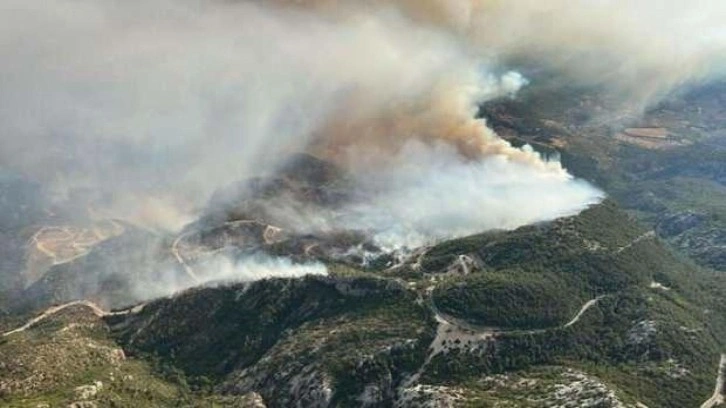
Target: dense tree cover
361 329
354 329
602 225
509 299
634 336
539 276
602 343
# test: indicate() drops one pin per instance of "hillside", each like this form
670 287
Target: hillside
593 304
375 204
599 308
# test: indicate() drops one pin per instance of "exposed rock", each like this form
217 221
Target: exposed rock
582 391
464 265
83 404
87 392
252 400
430 396
708 247
642 332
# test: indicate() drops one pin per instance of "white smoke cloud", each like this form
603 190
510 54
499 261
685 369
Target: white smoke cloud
255 267
222 268
433 194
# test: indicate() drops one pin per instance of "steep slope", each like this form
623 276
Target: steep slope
645 331
314 341
591 304
589 309
66 356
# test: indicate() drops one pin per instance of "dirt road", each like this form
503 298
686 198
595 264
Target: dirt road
718 394
55 309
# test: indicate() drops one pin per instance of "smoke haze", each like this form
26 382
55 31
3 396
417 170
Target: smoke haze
150 106
640 50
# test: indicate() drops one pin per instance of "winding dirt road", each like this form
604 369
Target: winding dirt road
454 333
587 305
269 235
175 251
718 397
647 235
55 309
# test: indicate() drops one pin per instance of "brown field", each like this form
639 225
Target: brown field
65 243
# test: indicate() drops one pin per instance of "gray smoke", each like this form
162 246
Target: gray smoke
147 107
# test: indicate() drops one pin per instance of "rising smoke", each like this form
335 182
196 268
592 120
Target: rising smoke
150 106
641 51
222 268
431 194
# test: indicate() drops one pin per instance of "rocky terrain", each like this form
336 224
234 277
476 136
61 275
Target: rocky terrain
593 310
345 203
415 334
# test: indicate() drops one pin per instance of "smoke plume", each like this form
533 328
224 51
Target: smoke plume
431 194
222 268
640 51
147 107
